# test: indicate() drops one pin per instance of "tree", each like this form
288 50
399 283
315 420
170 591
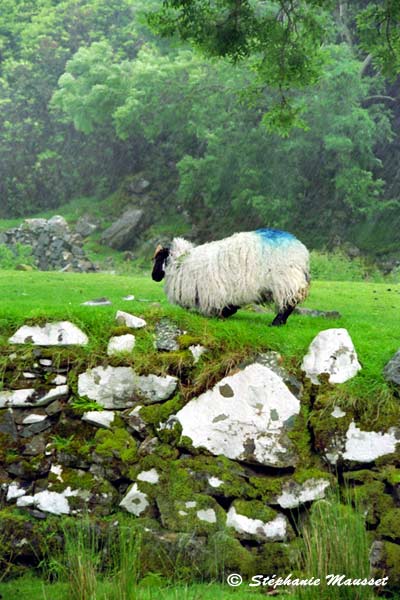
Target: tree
285 40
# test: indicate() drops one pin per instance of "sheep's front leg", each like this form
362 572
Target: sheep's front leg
282 316
229 310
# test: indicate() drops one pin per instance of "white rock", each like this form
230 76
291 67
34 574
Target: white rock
16 398
150 476
24 501
98 302
117 387
28 397
29 375
135 501
155 388
33 419
293 494
197 351
70 493
45 362
121 343
62 333
215 482
129 320
53 394
57 470
14 491
128 298
332 352
101 418
275 530
366 446
51 502
59 380
183 513
111 387
337 413
207 515
191 504
244 417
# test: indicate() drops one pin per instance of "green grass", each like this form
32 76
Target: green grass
33 588
369 312
335 540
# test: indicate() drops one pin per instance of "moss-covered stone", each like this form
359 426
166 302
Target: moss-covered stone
218 476
385 562
225 554
24 541
389 527
372 499
159 413
116 443
328 431
254 509
199 514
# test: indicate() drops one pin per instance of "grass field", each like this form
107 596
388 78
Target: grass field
369 312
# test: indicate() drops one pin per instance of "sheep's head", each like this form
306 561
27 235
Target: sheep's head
160 257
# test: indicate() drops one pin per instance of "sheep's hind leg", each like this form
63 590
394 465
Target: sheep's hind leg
282 316
229 310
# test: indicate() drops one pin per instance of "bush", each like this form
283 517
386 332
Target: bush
18 254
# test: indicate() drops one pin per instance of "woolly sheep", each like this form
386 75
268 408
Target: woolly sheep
217 278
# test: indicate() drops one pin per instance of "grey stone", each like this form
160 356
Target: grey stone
54 408
122 233
391 371
138 186
111 387
35 428
327 314
85 226
166 335
156 389
7 424
35 446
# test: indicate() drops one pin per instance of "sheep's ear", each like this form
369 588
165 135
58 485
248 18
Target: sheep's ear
157 250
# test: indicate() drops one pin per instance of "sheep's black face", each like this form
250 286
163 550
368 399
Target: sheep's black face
160 258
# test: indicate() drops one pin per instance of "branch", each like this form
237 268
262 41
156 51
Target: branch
379 97
366 62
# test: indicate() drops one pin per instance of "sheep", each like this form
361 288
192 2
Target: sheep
217 278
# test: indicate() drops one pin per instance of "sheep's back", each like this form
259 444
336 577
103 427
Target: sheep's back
246 267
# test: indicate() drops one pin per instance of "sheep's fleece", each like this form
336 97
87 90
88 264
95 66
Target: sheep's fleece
266 265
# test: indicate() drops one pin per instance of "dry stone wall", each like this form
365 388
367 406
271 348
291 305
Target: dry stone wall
239 462
54 246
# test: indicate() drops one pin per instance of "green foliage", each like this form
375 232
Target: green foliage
336 266
89 95
19 254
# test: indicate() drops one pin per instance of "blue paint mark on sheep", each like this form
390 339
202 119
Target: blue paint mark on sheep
275 236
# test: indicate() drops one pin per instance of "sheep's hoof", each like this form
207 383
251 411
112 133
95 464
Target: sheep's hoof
228 311
278 321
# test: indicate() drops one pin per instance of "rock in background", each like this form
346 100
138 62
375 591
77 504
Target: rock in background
54 245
